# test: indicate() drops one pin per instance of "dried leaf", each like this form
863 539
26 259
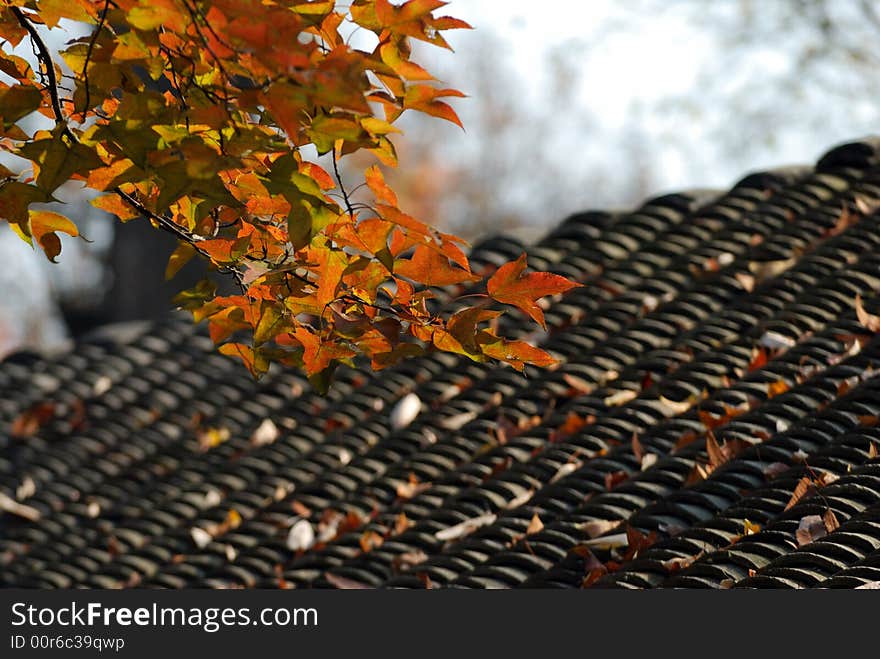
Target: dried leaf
266 433
535 525
13 507
620 398
344 583
578 385
614 478
597 527
29 422
810 528
867 320
465 528
803 487
405 411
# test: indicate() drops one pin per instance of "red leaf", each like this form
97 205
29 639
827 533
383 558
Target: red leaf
510 285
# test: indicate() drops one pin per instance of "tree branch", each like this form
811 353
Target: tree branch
45 58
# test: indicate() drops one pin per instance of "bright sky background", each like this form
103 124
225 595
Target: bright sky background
630 61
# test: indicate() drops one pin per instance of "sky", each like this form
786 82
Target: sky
631 61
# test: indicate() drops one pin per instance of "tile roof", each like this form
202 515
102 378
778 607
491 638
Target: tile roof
713 423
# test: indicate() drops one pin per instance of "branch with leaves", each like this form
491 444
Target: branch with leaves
196 116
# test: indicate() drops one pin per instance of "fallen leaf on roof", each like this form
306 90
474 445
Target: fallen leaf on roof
676 407
608 542
519 500
759 358
102 385
776 388
566 469
776 341
844 221
680 562
456 421
411 488
872 451
401 523
697 474
578 385
211 437
266 433
464 528
774 469
200 537
301 536
344 583
13 507
614 478
803 487
768 269
830 519
300 508
32 419
535 525
26 489
869 321
408 559
745 280
750 527
710 421
637 542
597 527
405 411
637 448
573 422
620 398
810 528
370 540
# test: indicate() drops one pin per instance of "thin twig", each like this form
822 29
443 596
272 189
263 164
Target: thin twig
45 58
85 70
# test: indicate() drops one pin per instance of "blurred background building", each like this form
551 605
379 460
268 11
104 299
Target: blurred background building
572 105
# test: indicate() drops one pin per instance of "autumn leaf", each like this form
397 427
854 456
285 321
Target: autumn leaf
511 285
432 268
317 355
869 321
202 125
29 422
43 227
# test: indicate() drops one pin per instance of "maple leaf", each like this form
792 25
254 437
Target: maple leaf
511 285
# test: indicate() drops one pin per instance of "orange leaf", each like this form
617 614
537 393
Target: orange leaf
44 224
319 353
376 183
510 285
869 321
429 267
518 354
